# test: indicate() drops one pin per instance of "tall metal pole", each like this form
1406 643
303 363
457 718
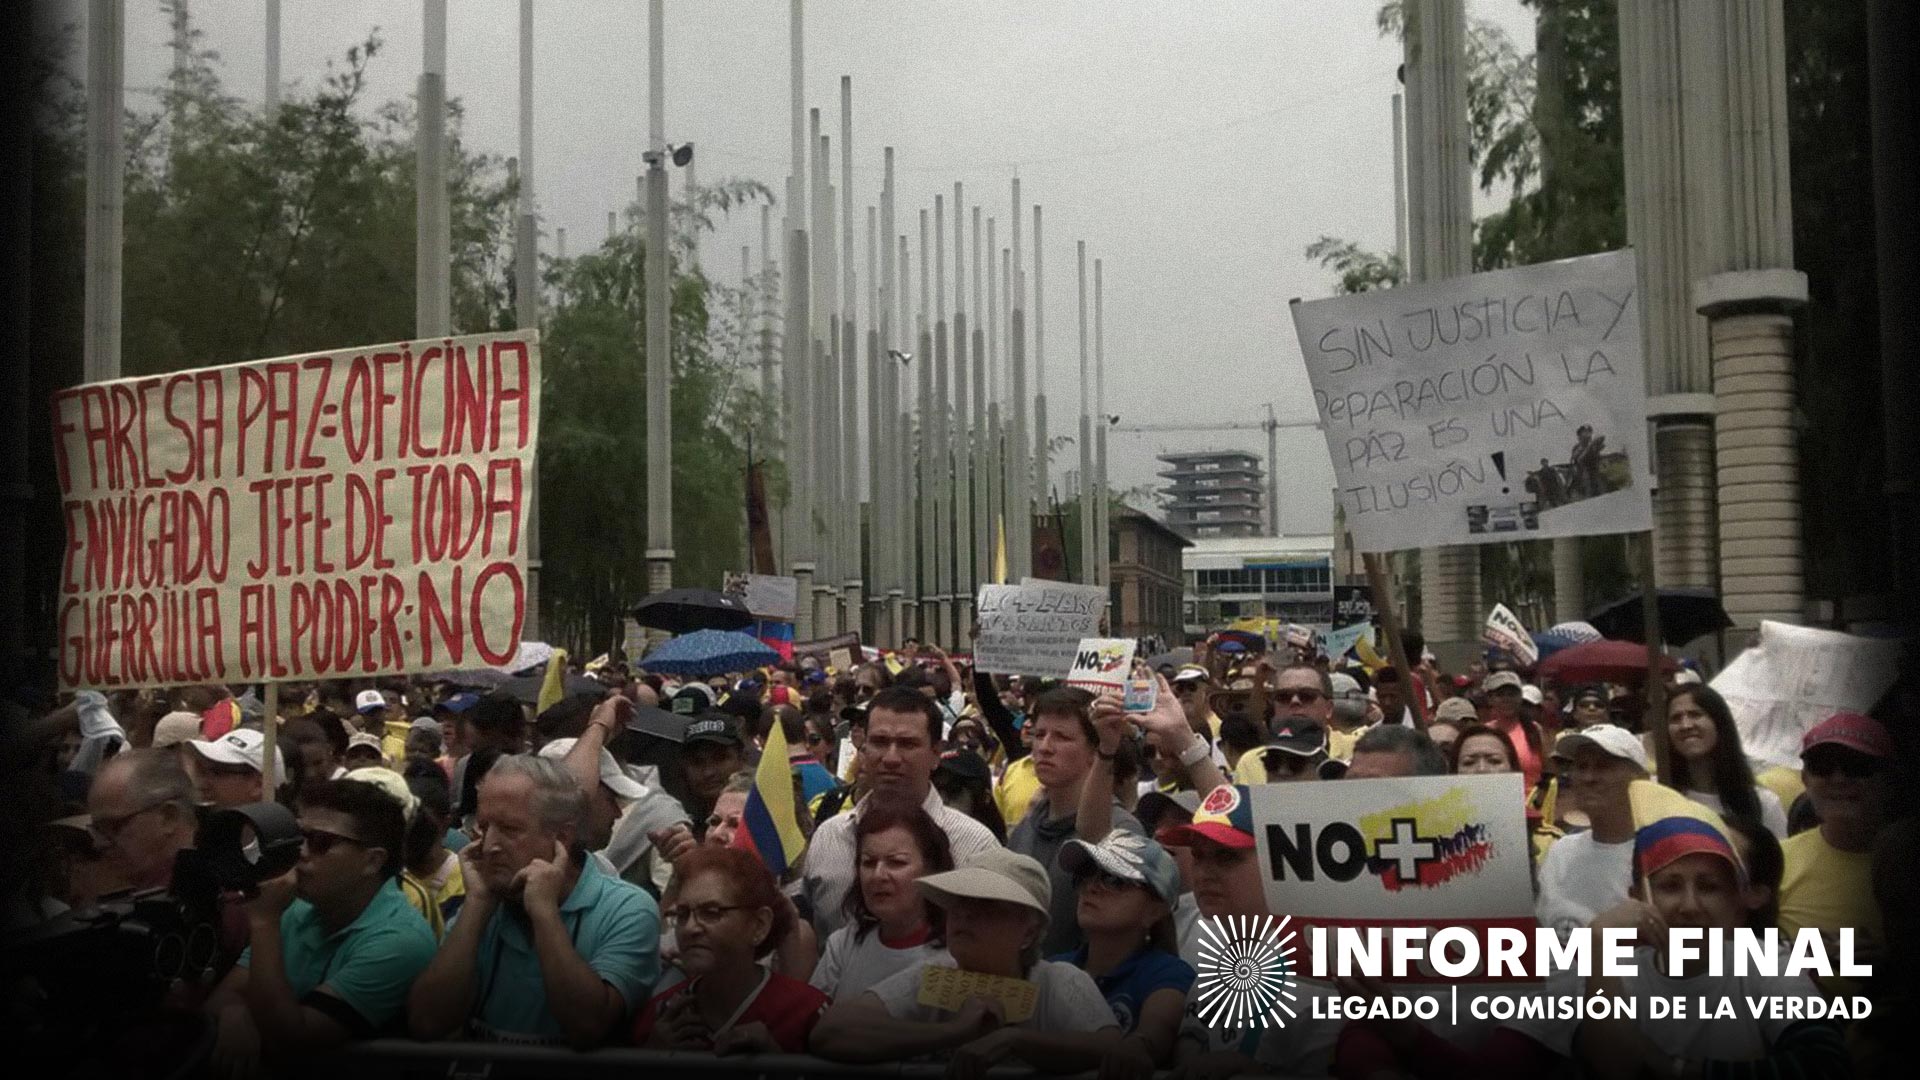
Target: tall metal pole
997 494
526 294
761 292
923 362
849 506
961 426
1273 472
985 484
1042 471
1087 558
872 577
270 101
659 338
431 316
907 476
898 521
943 538
826 398
1019 449
1399 184
106 186
797 348
1101 508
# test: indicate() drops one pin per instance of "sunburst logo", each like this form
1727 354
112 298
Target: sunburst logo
1245 977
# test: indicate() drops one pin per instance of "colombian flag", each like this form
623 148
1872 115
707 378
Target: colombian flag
777 636
769 827
1668 826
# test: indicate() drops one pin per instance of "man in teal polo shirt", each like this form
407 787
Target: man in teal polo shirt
547 947
335 947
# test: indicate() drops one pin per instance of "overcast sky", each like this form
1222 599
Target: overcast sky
1197 148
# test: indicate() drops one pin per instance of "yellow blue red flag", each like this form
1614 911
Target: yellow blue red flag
769 825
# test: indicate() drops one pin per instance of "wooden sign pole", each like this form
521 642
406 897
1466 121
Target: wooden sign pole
1396 651
271 738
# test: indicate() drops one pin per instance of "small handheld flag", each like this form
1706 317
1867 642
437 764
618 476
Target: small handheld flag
769 826
554 686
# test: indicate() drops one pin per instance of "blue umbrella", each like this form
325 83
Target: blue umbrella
709 652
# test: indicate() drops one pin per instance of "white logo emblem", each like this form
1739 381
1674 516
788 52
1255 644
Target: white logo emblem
1245 978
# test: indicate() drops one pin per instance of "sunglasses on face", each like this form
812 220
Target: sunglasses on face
1299 696
320 841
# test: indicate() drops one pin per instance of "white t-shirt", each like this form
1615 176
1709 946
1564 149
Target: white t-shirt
1580 878
1772 814
1068 999
849 968
1736 1037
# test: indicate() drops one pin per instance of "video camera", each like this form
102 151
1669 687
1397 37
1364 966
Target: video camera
98 971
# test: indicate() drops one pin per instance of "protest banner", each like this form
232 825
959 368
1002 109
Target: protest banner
1102 665
1337 643
1798 676
1506 632
348 513
1508 405
822 649
767 596
1430 851
1033 628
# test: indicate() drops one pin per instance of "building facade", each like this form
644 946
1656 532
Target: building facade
1214 493
1280 577
1147 590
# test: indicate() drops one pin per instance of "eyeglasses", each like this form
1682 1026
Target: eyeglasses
320 841
1108 881
704 914
1298 696
110 828
1853 766
814 737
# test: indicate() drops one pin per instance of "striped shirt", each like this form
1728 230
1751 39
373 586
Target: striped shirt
833 865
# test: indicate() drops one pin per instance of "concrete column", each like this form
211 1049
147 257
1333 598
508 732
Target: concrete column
1440 245
1569 580
1663 188
1756 452
1746 286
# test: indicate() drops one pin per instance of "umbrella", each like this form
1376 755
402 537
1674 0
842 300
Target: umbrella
481 679
526 688
649 720
709 652
682 611
1601 661
1685 614
1175 658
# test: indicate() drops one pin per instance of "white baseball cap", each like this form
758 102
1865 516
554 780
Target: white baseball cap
367 739
367 701
243 746
1531 694
612 775
1610 739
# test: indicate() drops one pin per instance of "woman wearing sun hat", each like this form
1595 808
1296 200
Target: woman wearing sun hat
1127 886
996 914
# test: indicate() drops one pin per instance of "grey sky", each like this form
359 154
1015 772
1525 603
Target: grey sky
1198 148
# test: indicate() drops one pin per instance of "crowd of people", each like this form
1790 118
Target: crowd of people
997 869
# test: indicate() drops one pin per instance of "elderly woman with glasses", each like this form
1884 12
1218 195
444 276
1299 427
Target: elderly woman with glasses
727 914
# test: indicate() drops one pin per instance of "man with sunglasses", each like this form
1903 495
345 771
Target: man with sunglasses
1828 877
1302 698
335 945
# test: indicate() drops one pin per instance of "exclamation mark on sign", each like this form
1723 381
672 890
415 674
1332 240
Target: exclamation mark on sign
1500 465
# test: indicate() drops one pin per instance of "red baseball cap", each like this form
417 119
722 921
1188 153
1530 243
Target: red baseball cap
1853 731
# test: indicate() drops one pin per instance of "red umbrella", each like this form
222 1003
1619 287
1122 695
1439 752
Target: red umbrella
1602 661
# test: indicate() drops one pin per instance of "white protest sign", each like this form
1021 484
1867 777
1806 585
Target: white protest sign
1506 632
1033 628
1798 676
1509 405
1337 643
341 513
1102 665
1427 851
767 596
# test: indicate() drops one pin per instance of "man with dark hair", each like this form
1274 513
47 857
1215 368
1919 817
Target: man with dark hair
335 946
1391 695
496 723
1390 750
902 751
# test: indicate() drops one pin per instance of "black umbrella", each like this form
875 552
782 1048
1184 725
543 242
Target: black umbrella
660 723
681 611
1685 614
526 688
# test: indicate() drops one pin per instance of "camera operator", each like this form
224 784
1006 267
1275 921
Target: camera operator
335 946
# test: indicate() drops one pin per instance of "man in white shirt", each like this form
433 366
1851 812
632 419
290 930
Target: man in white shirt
901 752
1589 872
